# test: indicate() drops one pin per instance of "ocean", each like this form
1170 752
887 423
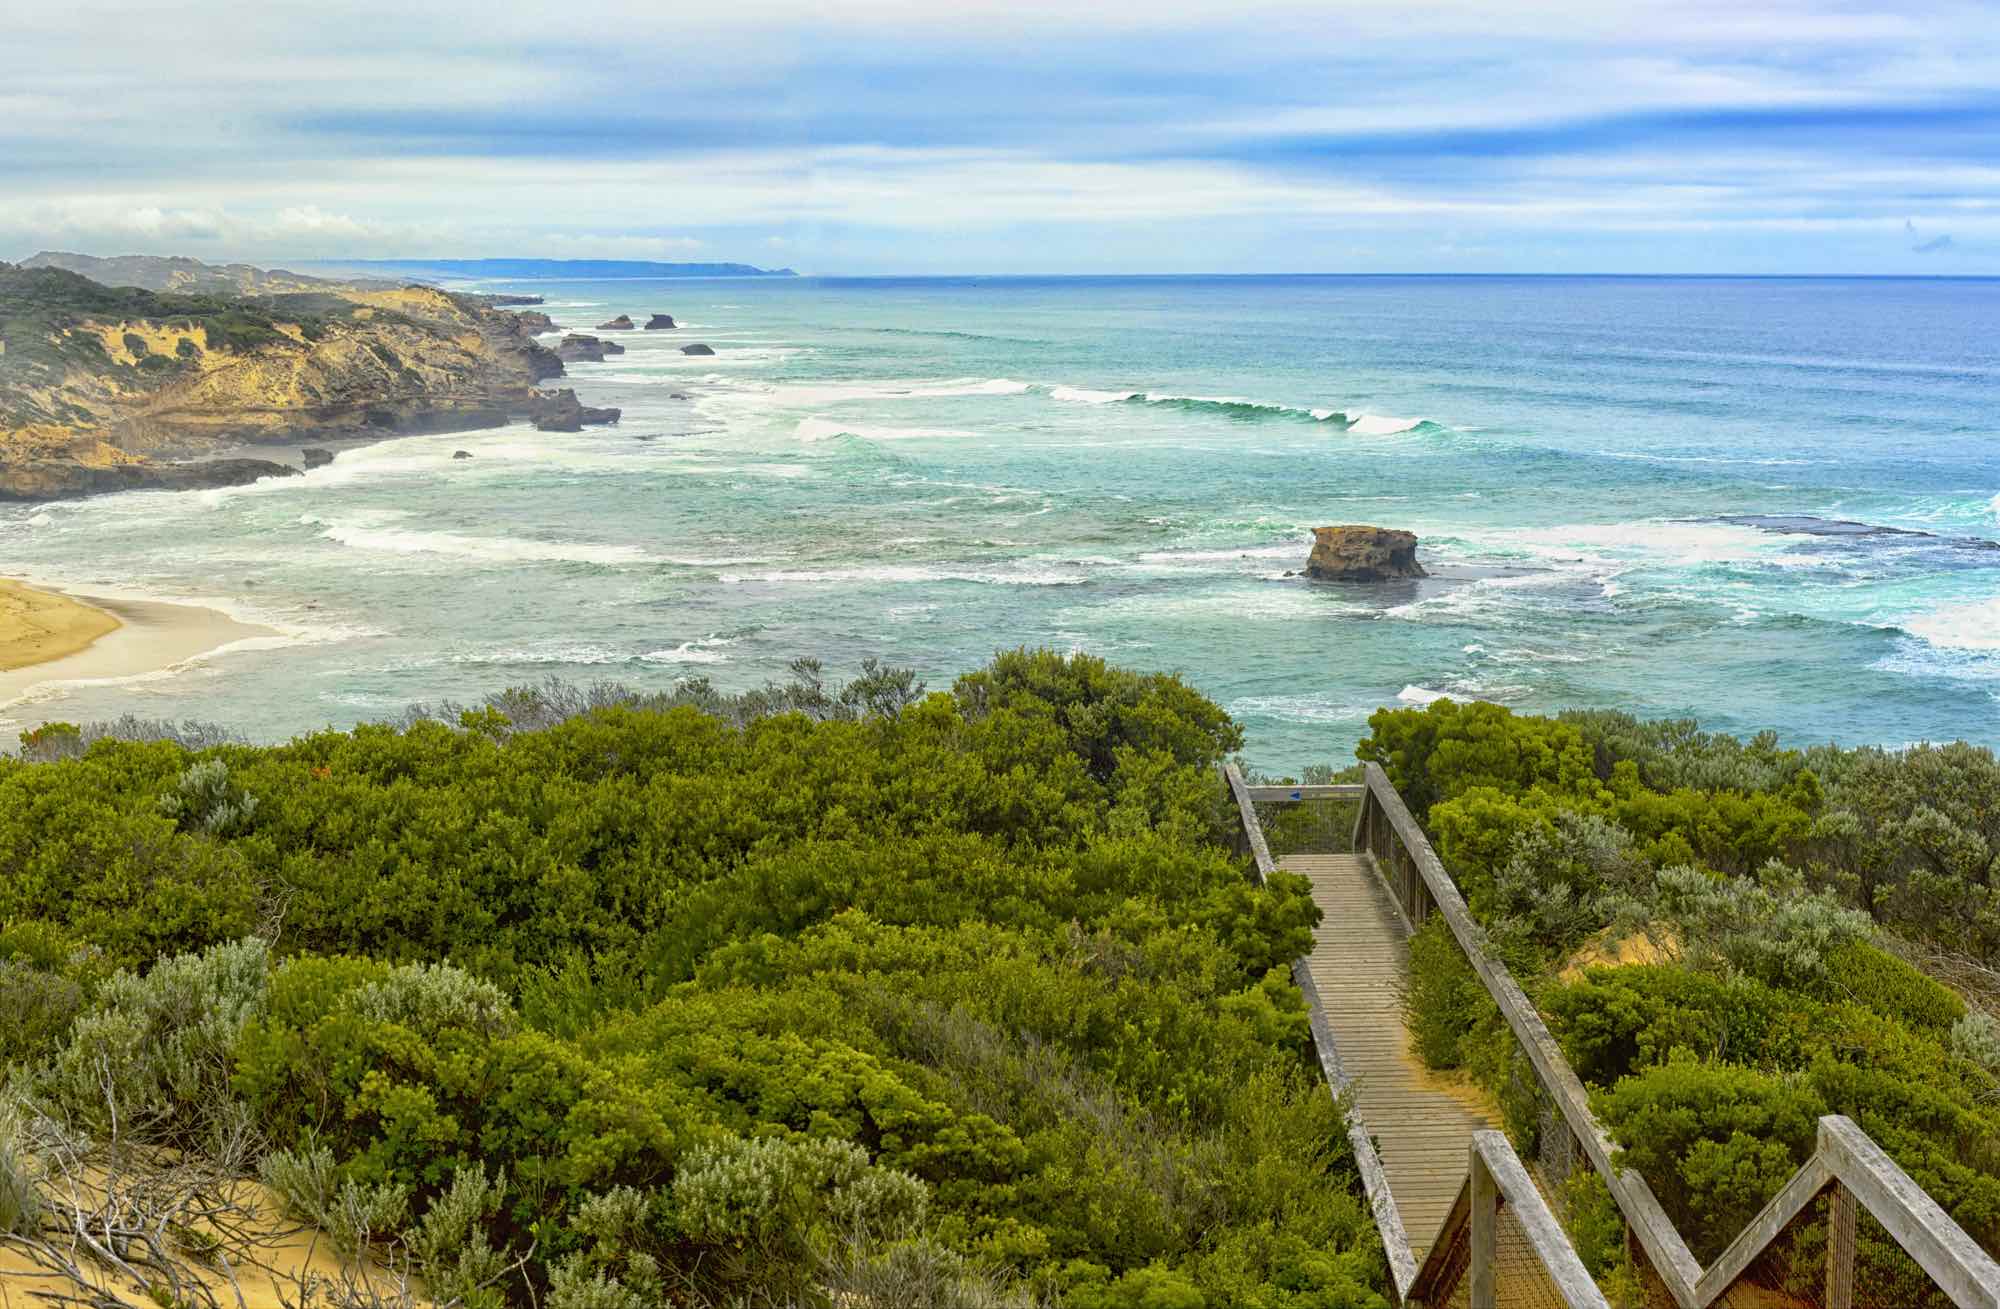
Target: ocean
1766 504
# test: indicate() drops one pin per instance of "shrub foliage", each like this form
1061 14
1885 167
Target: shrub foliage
925 998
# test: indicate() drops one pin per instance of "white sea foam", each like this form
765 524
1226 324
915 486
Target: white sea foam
1970 626
815 429
1286 551
813 395
1362 424
689 652
1025 574
1315 708
1424 695
1381 425
545 652
1083 396
485 549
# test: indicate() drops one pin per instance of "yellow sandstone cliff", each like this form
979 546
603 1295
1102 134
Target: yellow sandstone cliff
106 388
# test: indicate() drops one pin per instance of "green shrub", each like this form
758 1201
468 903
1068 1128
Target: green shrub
1715 1142
1869 975
1447 748
1442 998
151 1057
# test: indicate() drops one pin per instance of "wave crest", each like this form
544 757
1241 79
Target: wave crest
1240 407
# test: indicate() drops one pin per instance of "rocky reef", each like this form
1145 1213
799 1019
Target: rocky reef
696 349
315 457
658 322
561 411
51 479
622 323
1358 553
111 388
578 348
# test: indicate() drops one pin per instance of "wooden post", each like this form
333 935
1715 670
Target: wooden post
1481 1268
1840 1248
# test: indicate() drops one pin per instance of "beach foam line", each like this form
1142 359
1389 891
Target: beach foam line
154 642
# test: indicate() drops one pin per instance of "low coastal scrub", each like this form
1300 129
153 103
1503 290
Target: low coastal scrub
1720 934
599 1001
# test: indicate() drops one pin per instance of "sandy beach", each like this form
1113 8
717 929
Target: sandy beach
50 636
38 626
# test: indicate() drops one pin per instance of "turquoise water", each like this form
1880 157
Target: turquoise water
1762 503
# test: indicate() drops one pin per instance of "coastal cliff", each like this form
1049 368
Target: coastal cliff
103 388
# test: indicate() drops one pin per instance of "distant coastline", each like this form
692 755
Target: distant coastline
547 269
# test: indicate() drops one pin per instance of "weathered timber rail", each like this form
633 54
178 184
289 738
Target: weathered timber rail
1462 1260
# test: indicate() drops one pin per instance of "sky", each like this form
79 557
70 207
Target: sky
884 137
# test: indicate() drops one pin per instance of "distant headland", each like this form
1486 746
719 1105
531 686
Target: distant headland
550 269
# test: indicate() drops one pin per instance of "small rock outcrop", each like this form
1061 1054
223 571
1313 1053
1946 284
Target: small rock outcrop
561 411
535 321
659 322
696 349
1358 553
461 454
577 348
54 479
622 323
315 457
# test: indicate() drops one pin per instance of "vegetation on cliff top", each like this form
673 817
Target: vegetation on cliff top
813 996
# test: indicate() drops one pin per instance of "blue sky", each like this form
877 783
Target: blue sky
886 137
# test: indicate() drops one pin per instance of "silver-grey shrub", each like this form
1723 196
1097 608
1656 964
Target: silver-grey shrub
151 1058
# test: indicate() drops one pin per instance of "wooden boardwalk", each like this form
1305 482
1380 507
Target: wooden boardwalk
1357 961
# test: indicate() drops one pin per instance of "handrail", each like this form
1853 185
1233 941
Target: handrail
1374 1179
1649 1222
1494 1172
1845 1157
1343 791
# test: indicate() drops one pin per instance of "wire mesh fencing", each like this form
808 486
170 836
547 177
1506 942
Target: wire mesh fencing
1318 825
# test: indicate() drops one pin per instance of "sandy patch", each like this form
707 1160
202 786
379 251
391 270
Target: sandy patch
1647 946
38 626
269 1255
142 637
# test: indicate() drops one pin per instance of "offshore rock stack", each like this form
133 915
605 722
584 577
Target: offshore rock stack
1358 553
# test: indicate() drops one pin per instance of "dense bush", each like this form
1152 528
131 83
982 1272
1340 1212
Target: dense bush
1761 880
706 999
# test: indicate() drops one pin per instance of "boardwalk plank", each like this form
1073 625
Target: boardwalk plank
1357 961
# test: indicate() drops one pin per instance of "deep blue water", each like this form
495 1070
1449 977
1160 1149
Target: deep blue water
1668 495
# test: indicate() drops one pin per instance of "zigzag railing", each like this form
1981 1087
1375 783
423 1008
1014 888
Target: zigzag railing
1846 1162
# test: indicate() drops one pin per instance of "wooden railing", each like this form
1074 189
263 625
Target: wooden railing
1846 1161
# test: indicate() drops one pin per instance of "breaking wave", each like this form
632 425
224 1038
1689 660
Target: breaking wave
1238 407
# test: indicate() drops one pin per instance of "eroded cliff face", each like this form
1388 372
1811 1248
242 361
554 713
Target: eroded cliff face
105 388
